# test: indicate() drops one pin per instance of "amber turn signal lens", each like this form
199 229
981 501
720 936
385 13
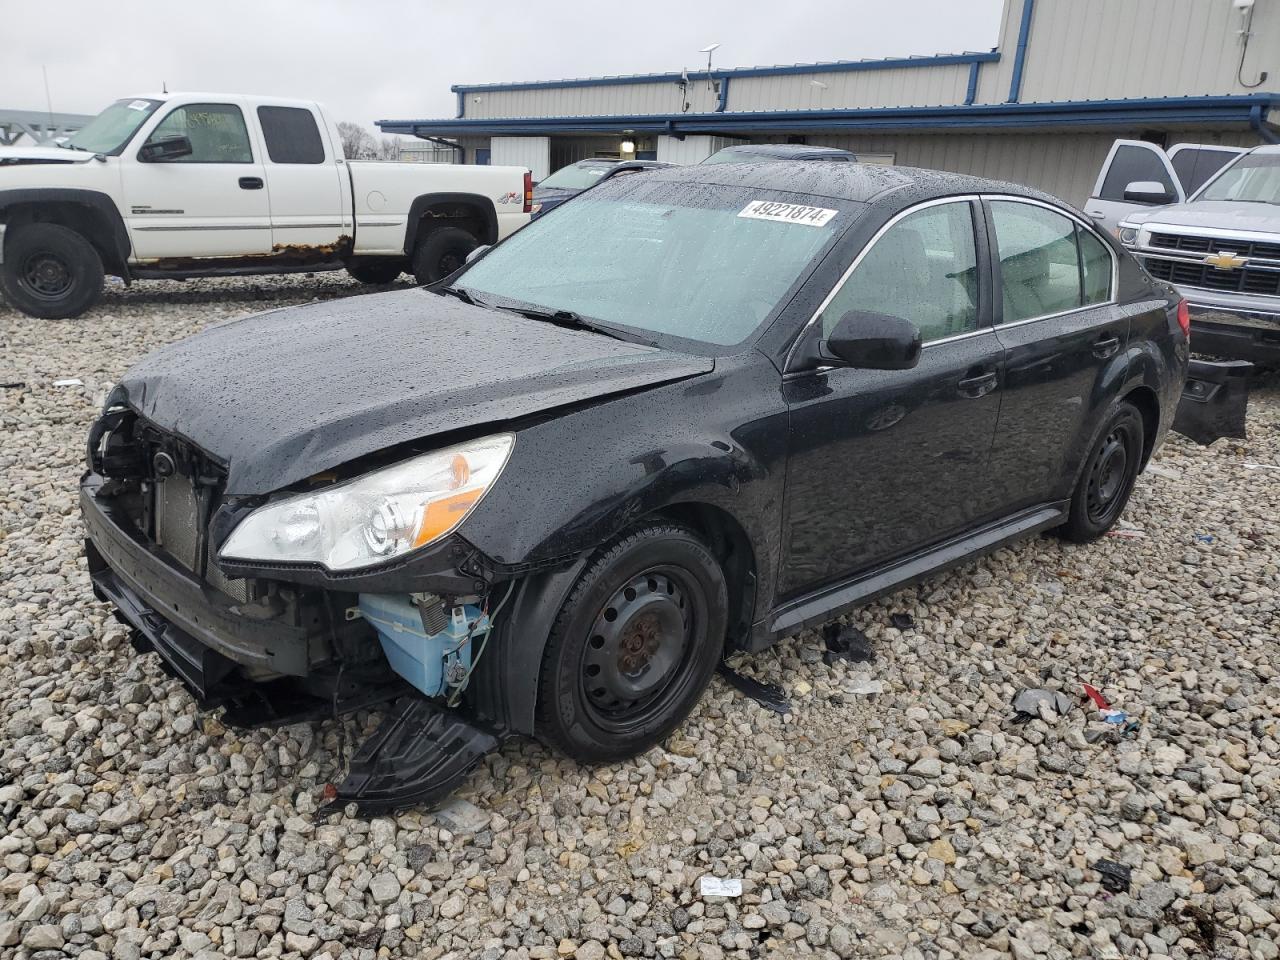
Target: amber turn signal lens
444 514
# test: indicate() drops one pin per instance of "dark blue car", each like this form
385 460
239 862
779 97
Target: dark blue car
572 180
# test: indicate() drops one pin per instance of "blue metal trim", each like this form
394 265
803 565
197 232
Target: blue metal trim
722 102
834 66
1020 56
462 105
1259 125
1222 109
971 93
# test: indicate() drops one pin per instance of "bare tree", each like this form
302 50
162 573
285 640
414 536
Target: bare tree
389 148
357 142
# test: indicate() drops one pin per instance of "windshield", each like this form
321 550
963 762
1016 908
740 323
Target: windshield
110 130
1254 178
690 260
576 176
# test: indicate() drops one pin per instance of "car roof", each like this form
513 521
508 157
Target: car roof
857 182
205 96
786 151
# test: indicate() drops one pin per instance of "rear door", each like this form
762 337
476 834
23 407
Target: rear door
210 203
1130 161
1057 319
306 180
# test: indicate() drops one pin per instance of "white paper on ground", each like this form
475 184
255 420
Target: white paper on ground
720 887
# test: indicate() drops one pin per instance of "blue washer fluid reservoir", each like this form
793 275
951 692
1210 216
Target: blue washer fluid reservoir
421 658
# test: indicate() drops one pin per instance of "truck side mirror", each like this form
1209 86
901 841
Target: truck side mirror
1148 192
874 341
162 151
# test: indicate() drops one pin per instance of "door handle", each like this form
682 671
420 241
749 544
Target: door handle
977 386
250 183
1105 347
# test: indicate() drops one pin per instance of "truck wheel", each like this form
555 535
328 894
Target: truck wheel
441 252
50 271
1108 477
379 271
633 647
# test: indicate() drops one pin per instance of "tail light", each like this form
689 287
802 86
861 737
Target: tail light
528 191
1184 319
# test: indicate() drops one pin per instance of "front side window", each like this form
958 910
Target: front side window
291 135
701 262
924 269
1039 262
109 131
216 130
1254 178
1132 164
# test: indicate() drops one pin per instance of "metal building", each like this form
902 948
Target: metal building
42 129
1066 79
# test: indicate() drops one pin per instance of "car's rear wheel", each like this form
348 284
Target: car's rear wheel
50 271
377 271
441 252
1110 470
633 647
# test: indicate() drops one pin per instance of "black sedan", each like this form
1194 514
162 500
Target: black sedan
567 182
692 413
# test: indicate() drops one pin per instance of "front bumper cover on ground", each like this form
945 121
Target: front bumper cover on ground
1214 400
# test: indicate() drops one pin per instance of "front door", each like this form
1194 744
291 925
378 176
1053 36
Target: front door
306 183
1064 337
212 202
1130 161
885 462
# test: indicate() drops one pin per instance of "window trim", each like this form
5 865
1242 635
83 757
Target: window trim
1080 221
967 198
248 136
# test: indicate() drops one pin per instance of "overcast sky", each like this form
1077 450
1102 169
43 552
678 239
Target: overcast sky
379 60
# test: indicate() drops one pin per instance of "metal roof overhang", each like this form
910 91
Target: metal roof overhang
1249 110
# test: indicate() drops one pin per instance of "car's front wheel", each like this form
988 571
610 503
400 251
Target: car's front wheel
50 271
634 645
1110 470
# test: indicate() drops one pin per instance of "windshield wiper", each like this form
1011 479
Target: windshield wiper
574 321
461 294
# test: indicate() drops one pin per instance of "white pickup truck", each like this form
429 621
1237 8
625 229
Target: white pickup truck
200 184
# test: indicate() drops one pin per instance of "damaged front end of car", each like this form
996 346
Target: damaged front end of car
270 608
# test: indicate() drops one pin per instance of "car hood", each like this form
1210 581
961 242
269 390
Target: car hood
1212 215
17 156
280 396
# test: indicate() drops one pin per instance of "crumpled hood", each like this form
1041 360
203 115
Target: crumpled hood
16 156
1211 214
283 395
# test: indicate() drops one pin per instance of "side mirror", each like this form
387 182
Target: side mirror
161 151
1148 192
875 341
477 252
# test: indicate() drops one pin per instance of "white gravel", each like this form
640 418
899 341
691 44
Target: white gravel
918 821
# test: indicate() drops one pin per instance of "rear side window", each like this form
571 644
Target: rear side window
1039 265
216 130
1194 167
291 135
923 269
1132 164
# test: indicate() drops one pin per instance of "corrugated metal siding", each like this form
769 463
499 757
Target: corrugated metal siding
1063 165
622 99
531 152
913 86
1114 49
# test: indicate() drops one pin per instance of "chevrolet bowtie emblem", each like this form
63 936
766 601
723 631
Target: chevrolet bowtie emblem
1224 260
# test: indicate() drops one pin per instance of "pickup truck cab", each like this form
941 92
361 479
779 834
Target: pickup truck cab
1215 238
198 184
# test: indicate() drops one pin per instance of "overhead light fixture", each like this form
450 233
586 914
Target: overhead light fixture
628 146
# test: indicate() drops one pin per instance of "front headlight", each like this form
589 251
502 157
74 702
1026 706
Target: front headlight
376 517
1127 235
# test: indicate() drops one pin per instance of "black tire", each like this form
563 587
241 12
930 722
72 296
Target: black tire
50 271
441 252
646 620
378 271
1110 469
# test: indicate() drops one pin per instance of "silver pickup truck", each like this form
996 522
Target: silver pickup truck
1218 243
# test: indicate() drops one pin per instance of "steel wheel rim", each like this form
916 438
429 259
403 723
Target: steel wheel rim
46 276
449 263
639 647
1108 474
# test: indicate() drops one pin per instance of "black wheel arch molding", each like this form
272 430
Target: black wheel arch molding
91 213
482 206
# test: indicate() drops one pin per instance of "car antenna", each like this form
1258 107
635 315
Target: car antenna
164 87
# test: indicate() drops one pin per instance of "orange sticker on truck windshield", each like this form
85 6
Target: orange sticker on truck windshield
787 213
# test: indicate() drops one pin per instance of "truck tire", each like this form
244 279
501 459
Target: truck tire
50 271
379 271
441 252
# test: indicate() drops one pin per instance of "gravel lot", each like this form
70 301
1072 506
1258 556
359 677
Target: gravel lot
917 821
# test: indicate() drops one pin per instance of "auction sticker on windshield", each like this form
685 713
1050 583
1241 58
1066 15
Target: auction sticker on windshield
787 213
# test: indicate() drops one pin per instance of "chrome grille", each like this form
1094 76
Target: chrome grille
178 519
1265 250
1186 273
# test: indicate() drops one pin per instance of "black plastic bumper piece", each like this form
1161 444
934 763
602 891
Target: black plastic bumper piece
1214 401
1218 337
417 757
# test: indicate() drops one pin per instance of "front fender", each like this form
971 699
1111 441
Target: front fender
92 211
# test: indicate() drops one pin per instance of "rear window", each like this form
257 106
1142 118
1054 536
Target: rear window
291 135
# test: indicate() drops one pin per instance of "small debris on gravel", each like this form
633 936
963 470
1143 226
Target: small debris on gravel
894 812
